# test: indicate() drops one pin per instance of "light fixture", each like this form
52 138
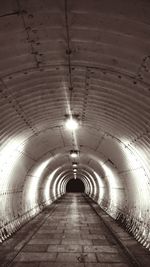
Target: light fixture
74 170
72 122
74 153
75 176
74 164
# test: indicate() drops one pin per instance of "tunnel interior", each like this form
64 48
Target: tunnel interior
75 186
88 60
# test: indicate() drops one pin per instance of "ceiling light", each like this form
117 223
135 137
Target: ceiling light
72 122
74 164
74 153
74 170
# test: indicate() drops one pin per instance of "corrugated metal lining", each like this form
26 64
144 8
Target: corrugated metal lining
90 57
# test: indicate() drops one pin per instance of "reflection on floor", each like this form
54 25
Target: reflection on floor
68 234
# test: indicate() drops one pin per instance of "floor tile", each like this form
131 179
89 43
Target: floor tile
76 257
35 256
102 249
64 248
110 257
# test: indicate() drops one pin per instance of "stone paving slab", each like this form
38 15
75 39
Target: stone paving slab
76 242
102 249
91 236
72 231
65 248
110 257
76 257
50 231
74 236
35 248
48 236
106 265
96 231
35 241
49 227
35 256
69 227
61 264
26 264
102 242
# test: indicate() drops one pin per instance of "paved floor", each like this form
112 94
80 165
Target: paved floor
69 234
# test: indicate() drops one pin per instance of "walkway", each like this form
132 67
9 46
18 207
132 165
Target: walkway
68 234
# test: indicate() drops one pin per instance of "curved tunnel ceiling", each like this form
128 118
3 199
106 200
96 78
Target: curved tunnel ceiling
92 59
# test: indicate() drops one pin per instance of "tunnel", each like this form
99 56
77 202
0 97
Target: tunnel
75 103
74 186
